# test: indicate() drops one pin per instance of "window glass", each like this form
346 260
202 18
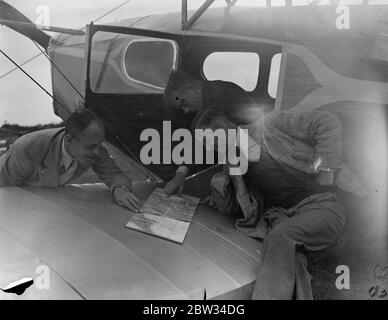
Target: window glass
242 68
274 75
122 63
149 61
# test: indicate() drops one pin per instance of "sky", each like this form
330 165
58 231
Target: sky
21 100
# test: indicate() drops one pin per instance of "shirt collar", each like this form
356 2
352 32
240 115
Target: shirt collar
66 158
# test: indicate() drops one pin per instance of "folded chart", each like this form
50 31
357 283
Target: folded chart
165 217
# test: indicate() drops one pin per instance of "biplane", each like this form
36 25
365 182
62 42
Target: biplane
300 55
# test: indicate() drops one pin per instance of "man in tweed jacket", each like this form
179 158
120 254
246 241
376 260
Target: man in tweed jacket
288 195
55 157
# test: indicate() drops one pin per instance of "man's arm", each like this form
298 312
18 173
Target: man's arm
15 166
326 130
321 130
178 181
119 184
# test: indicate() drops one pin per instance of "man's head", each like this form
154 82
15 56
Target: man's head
183 92
84 134
215 119
212 119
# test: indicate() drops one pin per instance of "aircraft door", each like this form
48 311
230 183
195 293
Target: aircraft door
126 73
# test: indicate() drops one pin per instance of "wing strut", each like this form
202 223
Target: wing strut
186 24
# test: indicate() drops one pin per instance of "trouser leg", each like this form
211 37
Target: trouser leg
223 195
302 278
314 226
275 279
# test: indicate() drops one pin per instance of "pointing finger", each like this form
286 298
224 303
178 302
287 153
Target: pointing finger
134 202
130 206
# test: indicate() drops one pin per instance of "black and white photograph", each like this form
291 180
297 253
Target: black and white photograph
269 116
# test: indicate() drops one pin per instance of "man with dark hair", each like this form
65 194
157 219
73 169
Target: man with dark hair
189 94
55 157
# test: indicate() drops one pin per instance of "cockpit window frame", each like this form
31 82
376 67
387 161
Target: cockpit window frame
92 29
150 39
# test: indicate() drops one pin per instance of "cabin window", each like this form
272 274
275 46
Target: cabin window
129 64
149 62
242 68
274 75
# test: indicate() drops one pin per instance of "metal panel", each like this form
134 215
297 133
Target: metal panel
79 232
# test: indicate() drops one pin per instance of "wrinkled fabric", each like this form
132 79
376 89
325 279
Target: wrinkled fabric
299 139
312 224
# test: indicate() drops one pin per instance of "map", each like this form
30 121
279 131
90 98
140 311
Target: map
165 217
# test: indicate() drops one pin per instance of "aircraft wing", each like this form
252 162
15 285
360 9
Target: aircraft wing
76 235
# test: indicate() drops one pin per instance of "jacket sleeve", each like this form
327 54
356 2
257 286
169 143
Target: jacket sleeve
15 166
320 130
108 171
327 133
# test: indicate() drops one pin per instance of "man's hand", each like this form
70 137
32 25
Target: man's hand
177 182
127 199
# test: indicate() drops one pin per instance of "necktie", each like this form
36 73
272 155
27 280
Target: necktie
67 175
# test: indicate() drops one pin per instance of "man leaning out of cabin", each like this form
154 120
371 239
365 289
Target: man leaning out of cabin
288 196
55 157
187 94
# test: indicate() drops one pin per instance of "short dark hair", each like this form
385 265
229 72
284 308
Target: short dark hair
78 121
178 79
